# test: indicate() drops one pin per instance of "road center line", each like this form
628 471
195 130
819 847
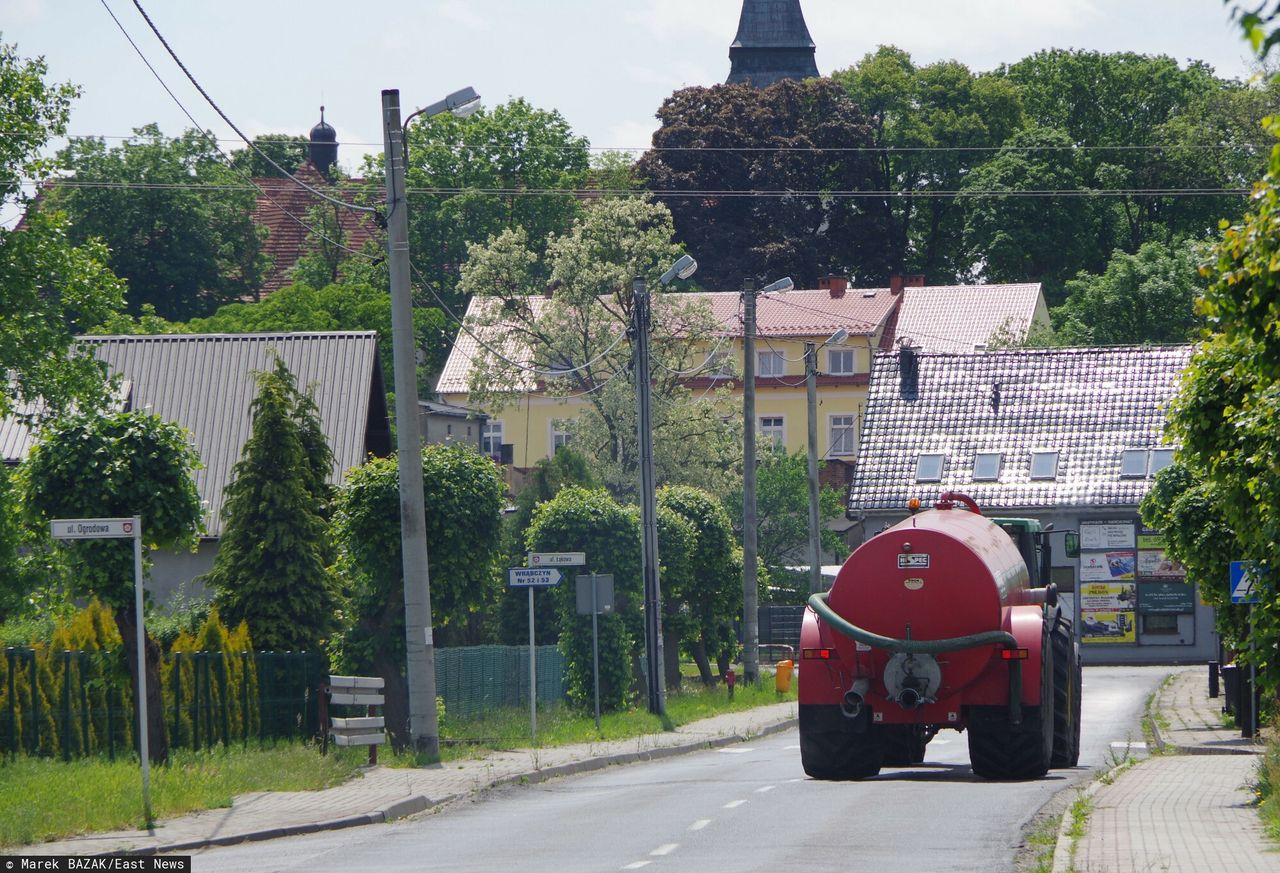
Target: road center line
762 789
665 849
734 804
734 751
636 865
699 824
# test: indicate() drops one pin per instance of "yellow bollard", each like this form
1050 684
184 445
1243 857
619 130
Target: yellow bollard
782 678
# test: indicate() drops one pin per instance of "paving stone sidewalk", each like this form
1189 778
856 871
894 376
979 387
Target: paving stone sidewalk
1187 812
381 793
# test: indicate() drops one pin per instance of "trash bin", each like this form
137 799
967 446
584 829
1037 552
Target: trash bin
1230 688
782 678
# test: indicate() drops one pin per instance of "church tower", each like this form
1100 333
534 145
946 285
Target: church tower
773 43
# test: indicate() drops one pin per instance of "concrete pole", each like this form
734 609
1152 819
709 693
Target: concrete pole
424 728
750 581
811 397
656 673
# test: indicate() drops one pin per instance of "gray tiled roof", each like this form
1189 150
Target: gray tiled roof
1089 404
205 383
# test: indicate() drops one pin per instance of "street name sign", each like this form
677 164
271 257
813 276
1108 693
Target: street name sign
557 559
533 577
92 528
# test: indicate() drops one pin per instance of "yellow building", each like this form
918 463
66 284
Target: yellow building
530 426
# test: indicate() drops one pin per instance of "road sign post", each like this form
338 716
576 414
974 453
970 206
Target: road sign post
598 599
538 575
122 528
1246 588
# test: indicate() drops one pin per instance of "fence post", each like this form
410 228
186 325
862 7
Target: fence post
226 702
35 708
66 705
9 653
195 700
177 698
81 660
111 732
244 697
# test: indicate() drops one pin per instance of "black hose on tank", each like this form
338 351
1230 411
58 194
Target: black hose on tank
818 602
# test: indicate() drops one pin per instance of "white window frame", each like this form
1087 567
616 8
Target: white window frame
557 435
981 476
488 447
841 356
930 466
1045 453
777 364
842 438
777 435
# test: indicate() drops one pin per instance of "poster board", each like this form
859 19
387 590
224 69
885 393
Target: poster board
1107 612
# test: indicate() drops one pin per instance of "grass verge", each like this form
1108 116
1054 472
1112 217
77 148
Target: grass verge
1267 788
48 799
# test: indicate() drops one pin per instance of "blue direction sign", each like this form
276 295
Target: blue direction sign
1245 584
533 577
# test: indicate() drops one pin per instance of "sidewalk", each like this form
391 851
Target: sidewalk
381 794
1188 811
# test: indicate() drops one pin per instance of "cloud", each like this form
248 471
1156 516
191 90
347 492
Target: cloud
22 11
630 134
679 18
461 12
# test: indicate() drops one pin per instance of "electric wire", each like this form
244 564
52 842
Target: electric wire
218 109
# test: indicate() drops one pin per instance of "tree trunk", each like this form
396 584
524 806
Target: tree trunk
157 737
704 664
395 693
671 655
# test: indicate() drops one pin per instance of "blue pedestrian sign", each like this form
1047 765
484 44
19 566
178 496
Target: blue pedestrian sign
1246 584
533 577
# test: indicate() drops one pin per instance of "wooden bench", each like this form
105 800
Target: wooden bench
367 730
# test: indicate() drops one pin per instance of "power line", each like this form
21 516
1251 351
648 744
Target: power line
216 108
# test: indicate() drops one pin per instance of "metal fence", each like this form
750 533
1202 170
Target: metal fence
476 679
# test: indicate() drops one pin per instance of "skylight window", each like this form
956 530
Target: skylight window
1044 465
929 468
986 466
1160 458
1133 464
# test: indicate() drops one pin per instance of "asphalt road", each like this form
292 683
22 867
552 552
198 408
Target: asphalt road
741 808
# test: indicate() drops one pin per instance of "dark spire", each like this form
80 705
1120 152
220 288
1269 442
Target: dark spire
773 43
323 151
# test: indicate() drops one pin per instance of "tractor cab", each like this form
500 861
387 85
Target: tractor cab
1032 541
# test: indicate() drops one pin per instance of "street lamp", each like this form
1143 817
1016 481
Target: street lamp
424 727
656 678
750 575
811 392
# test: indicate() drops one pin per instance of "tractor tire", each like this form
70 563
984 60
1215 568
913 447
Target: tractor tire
1066 697
901 745
832 747
1001 750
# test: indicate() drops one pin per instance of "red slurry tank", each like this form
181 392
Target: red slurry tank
937 623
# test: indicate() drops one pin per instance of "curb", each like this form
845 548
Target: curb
1258 748
417 803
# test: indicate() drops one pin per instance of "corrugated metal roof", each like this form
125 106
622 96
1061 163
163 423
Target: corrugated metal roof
959 318
16 438
1088 404
205 382
790 314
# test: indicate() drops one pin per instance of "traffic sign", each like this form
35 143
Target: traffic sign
533 577
1245 587
557 559
92 528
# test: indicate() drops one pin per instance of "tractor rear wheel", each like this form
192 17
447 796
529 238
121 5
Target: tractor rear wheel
835 747
901 745
1001 750
1066 696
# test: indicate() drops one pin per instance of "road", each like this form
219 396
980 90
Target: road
741 808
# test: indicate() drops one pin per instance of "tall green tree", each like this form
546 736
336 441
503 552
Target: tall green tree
176 219
270 568
931 126
465 495
111 466
50 289
286 151
750 177
579 345
512 166
1148 297
705 607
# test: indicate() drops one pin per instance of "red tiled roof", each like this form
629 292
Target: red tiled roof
282 209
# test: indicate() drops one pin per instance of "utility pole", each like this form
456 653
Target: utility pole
750 583
811 397
424 728
655 672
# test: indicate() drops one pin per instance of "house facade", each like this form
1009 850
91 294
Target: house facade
531 423
1068 436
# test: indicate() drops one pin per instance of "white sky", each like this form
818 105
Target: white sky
606 65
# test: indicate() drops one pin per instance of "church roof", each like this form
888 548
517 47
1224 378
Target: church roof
772 44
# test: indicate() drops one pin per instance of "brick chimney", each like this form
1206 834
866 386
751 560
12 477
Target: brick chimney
836 286
914 280
895 283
